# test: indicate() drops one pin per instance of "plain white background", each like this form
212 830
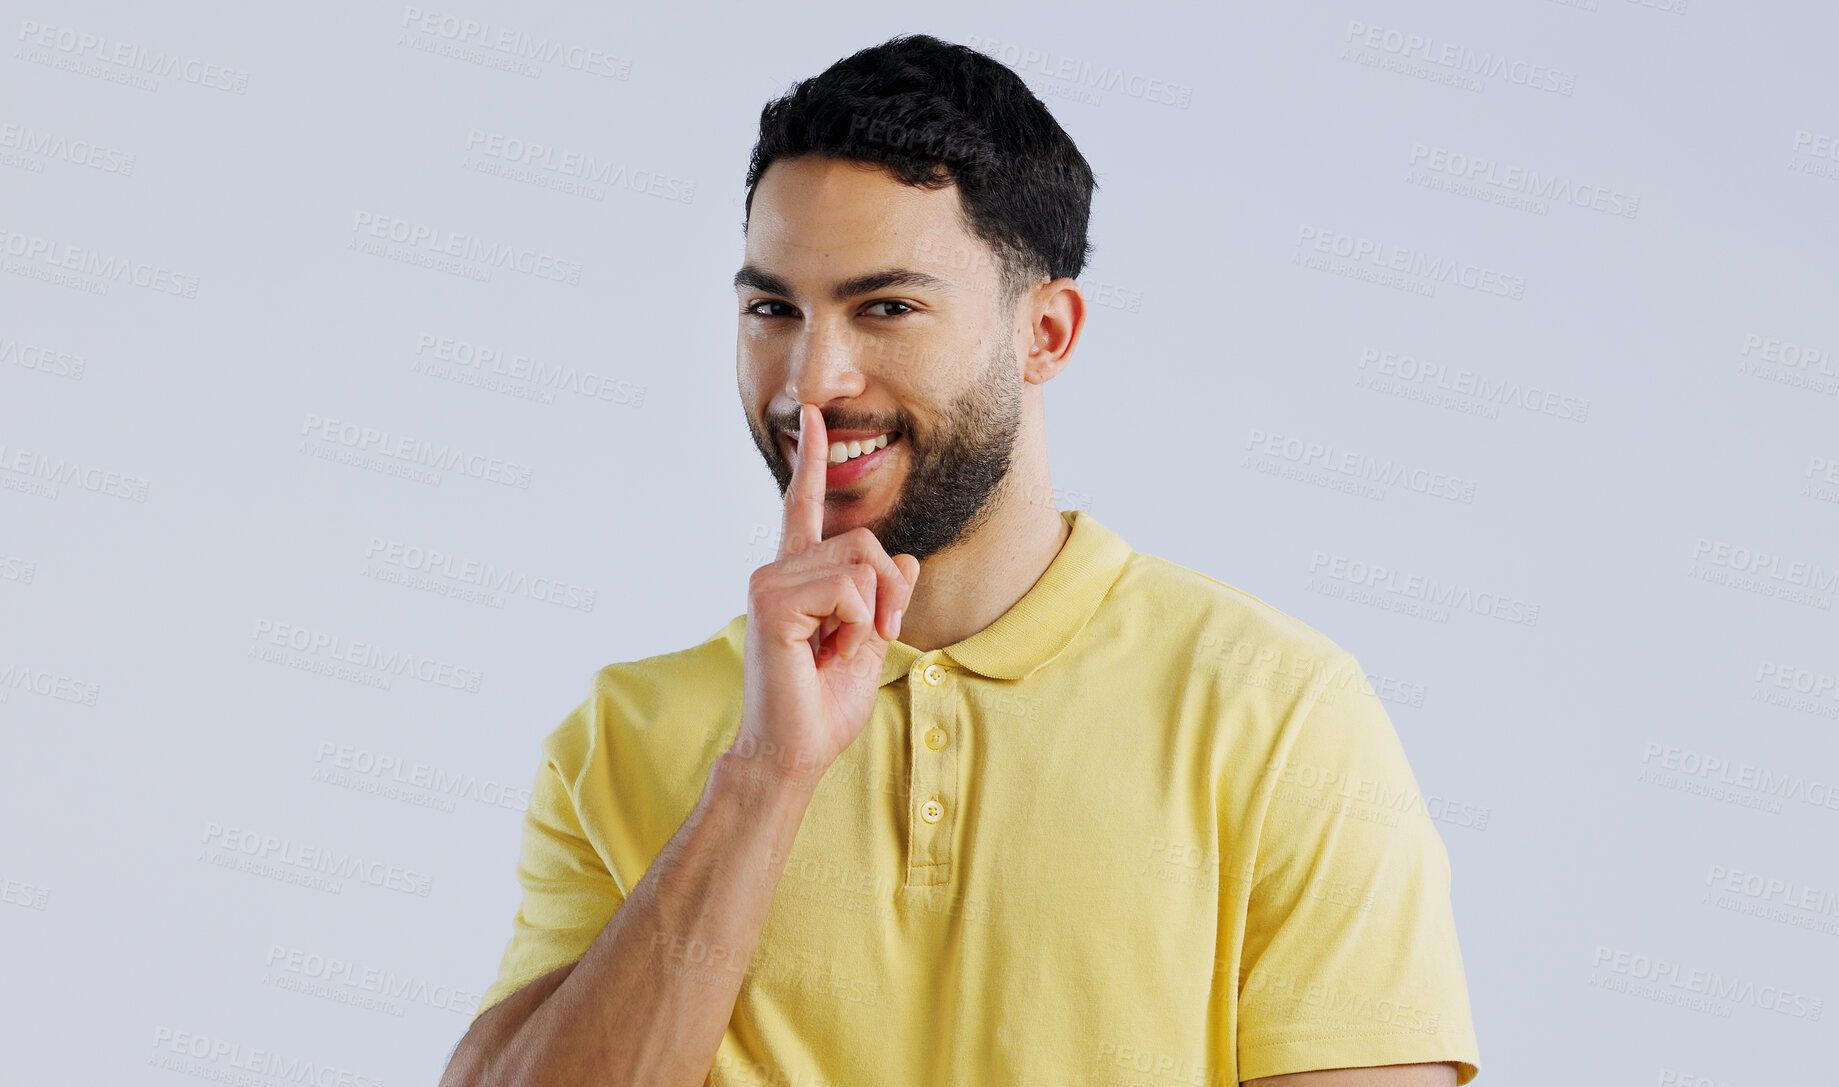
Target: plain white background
1559 275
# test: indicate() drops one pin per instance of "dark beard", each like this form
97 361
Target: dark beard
952 476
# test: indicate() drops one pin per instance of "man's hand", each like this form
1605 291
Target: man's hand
819 620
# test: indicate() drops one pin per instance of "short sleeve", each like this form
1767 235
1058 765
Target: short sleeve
1350 957
568 892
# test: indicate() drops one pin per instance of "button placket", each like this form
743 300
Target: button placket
933 798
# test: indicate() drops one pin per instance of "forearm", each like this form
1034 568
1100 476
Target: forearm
649 1001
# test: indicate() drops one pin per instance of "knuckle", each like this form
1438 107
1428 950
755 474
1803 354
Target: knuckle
871 544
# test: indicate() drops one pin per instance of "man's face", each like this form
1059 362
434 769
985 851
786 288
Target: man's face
926 356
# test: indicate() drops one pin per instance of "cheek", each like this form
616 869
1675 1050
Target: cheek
754 375
938 370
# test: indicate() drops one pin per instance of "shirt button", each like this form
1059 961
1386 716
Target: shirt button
932 811
934 675
935 738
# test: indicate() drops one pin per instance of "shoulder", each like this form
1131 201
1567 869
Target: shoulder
1214 626
659 713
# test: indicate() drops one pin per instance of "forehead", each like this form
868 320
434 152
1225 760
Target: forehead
814 215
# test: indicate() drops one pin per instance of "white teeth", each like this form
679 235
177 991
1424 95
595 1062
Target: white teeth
845 451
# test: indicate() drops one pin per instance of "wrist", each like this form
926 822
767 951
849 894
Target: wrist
764 777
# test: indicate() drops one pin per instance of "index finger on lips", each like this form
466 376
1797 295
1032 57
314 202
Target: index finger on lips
804 499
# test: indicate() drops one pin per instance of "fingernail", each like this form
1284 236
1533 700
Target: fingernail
897 616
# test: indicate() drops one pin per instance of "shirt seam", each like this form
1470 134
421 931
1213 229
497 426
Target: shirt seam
1346 1035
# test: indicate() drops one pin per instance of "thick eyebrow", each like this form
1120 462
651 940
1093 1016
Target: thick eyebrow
761 280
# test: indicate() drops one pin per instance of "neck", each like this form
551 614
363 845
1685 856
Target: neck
968 586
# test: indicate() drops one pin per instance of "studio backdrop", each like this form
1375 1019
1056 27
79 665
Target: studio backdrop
367 382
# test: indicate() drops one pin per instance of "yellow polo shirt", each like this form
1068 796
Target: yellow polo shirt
1144 829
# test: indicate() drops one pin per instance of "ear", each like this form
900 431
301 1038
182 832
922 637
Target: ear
1048 321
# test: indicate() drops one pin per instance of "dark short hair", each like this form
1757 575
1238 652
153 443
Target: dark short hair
933 113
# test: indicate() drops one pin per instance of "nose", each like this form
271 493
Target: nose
823 366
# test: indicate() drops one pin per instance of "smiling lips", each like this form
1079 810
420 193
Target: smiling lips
854 455
848 445
850 450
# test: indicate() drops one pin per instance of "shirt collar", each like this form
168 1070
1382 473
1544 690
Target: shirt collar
1046 619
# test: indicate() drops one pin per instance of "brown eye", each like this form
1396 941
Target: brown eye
889 302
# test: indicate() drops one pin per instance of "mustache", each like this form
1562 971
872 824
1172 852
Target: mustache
789 425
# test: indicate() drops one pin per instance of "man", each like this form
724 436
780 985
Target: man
973 793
